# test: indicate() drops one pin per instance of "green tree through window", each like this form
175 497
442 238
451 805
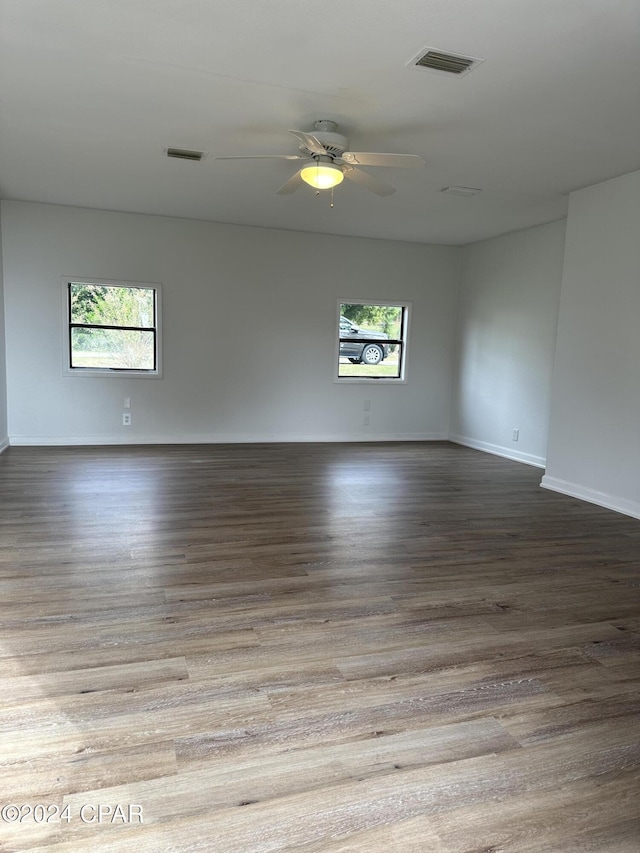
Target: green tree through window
385 318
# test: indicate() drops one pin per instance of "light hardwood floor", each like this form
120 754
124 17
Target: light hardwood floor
320 648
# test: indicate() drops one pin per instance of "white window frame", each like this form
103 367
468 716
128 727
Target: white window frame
105 371
368 380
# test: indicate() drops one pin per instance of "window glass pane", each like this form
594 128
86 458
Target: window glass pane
103 305
388 369
364 349
112 348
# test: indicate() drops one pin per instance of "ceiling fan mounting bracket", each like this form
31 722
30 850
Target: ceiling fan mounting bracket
325 124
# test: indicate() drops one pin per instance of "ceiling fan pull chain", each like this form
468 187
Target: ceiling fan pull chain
331 205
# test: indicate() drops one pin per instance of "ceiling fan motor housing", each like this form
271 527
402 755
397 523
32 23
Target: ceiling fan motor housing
325 132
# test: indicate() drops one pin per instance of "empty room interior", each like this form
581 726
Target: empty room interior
320 426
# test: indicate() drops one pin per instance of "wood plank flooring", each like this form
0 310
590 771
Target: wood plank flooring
318 648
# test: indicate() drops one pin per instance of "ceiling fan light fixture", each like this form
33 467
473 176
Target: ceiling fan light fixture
322 176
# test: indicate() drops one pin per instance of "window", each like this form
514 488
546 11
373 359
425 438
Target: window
372 340
113 327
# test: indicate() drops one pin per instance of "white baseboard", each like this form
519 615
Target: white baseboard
220 438
498 450
4 443
574 490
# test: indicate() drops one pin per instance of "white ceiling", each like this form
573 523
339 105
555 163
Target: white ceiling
93 91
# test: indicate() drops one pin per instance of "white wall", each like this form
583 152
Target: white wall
594 433
249 330
506 333
4 440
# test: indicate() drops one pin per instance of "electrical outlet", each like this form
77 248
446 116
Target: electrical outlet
516 434
365 420
126 419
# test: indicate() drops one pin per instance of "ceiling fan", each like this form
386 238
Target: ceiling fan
328 160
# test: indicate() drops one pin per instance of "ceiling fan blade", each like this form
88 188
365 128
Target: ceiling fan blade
369 158
365 180
314 145
291 185
263 157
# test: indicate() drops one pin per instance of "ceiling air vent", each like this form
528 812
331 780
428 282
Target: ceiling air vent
463 191
185 154
444 63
